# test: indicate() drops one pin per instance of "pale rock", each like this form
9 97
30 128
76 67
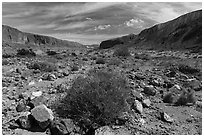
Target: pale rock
146 103
105 130
165 117
138 106
31 83
42 115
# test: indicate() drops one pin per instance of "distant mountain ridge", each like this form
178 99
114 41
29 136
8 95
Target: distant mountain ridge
184 32
13 35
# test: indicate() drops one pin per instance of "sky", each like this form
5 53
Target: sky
90 22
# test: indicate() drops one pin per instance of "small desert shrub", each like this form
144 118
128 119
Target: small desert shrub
168 98
85 59
74 54
187 69
50 52
5 55
185 98
122 51
100 61
95 100
114 61
25 52
5 62
43 66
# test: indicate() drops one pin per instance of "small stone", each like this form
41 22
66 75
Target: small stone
194 84
146 103
149 90
31 83
57 128
70 126
138 106
23 96
36 94
166 117
137 95
26 132
105 130
21 106
178 87
142 121
43 115
24 120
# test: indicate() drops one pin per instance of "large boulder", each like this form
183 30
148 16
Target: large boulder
149 90
42 115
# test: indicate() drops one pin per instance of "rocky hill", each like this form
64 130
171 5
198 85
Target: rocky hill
13 35
182 33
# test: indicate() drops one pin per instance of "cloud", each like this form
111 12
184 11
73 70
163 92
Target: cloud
102 27
133 22
90 21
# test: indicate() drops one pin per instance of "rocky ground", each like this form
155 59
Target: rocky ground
28 94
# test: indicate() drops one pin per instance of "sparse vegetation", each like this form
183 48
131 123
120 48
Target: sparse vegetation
122 51
25 52
95 100
185 98
5 62
114 61
43 66
186 69
5 55
168 98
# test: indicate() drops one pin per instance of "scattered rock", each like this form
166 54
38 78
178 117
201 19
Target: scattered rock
105 130
149 90
24 120
178 87
166 117
57 127
36 94
21 106
24 96
43 115
25 132
31 83
194 84
70 126
141 121
146 103
137 95
138 106
49 77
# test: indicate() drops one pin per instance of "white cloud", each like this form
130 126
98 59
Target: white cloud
133 22
102 27
89 18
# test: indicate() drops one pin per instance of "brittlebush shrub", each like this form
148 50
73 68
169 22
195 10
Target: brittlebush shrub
168 98
122 52
185 98
95 100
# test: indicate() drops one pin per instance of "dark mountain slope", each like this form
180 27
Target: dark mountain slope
13 35
184 32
